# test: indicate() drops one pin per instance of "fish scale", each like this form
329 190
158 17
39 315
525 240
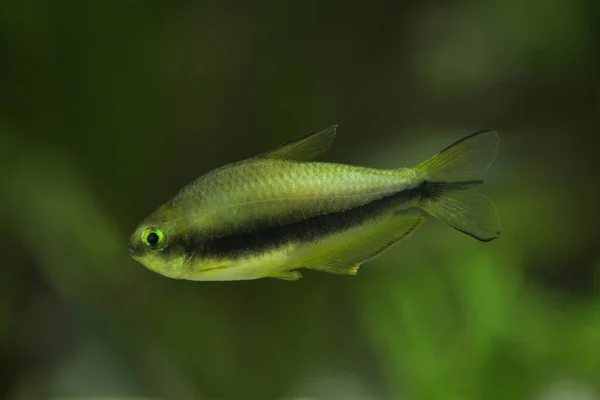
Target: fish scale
280 191
275 213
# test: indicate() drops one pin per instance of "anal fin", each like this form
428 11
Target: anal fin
353 270
343 252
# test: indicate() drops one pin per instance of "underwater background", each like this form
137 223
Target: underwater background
107 108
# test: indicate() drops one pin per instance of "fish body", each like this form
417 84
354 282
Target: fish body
280 211
265 191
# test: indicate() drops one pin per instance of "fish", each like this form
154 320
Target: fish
273 214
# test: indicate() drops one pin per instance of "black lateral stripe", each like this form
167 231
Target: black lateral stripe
308 230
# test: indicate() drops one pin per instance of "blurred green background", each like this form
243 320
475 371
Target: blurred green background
107 108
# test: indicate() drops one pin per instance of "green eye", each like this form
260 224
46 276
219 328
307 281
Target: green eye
153 238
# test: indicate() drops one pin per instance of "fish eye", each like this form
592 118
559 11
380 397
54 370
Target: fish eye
153 238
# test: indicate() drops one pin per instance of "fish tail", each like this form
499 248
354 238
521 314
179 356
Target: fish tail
450 186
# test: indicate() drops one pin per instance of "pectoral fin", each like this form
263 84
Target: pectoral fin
305 148
342 253
287 275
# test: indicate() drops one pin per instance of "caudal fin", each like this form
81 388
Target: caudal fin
451 179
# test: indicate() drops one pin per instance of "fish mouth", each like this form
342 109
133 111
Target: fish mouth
133 251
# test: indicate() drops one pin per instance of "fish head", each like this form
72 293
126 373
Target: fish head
157 244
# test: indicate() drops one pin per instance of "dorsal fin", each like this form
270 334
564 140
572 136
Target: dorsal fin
305 148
